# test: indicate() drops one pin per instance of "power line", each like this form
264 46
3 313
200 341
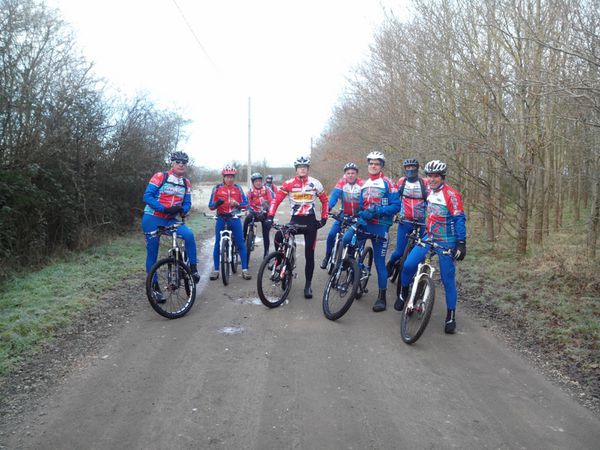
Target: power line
196 37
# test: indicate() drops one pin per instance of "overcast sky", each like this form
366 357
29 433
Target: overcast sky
291 57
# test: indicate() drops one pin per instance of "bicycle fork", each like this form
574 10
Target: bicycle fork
226 236
423 269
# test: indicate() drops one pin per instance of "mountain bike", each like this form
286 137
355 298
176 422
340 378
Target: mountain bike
418 308
395 275
349 278
170 287
251 234
276 271
229 257
336 251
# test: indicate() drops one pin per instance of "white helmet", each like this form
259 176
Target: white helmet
376 155
302 161
435 166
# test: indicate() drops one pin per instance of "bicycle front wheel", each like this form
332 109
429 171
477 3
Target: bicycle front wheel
336 256
400 264
170 288
235 257
249 243
225 265
414 320
341 289
364 265
274 280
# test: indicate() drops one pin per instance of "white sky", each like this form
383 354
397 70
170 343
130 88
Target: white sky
291 57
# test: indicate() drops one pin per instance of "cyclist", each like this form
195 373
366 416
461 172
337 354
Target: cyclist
378 203
259 200
168 194
227 198
413 193
303 191
270 185
445 223
348 189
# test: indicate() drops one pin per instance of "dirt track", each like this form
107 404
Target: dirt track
233 374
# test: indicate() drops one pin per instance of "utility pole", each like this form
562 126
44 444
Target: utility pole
249 169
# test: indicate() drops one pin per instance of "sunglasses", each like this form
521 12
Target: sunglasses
180 161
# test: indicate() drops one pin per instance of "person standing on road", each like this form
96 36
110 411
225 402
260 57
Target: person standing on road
168 194
348 190
445 224
227 198
377 205
259 200
413 192
271 186
302 191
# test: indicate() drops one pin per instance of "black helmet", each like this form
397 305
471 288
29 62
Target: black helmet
350 165
179 156
411 162
256 176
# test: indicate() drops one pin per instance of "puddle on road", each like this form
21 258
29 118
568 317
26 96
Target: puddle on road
249 301
231 330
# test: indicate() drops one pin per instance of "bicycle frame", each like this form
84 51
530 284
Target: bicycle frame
423 269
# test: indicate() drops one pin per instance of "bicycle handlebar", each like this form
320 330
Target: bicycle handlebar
422 243
165 230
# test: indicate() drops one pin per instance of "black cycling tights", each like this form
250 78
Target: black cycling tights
310 241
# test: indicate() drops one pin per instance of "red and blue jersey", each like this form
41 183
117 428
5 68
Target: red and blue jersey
379 192
228 194
349 193
413 196
259 199
302 193
165 190
445 217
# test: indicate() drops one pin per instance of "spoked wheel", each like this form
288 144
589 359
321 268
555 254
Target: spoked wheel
250 242
274 280
364 265
400 265
235 257
415 320
225 264
341 289
170 288
336 257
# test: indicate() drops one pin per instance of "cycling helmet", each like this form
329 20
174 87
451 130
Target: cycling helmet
350 165
269 178
228 170
435 166
302 161
179 156
255 176
376 155
411 162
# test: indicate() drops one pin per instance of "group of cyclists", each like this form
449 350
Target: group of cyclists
374 201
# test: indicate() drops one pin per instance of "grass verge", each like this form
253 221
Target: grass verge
35 306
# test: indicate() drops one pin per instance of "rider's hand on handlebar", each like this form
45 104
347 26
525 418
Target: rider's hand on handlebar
365 214
461 251
233 203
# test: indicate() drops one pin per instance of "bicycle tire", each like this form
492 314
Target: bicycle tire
413 323
400 264
225 266
177 285
344 282
336 256
235 257
249 243
272 289
365 271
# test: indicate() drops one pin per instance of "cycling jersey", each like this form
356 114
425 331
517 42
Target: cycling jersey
302 193
412 200
445 217
259 199
161 194
380 192
273 188
349 193
227 193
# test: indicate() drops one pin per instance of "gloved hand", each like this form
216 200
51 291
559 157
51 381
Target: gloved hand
321 223
461 251
361 222
365 214
219 202
233 203
172 210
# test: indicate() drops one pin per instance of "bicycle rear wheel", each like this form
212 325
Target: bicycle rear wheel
414 320
173 279
364 265
341 289
225 265
400 264
274 280
235 257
